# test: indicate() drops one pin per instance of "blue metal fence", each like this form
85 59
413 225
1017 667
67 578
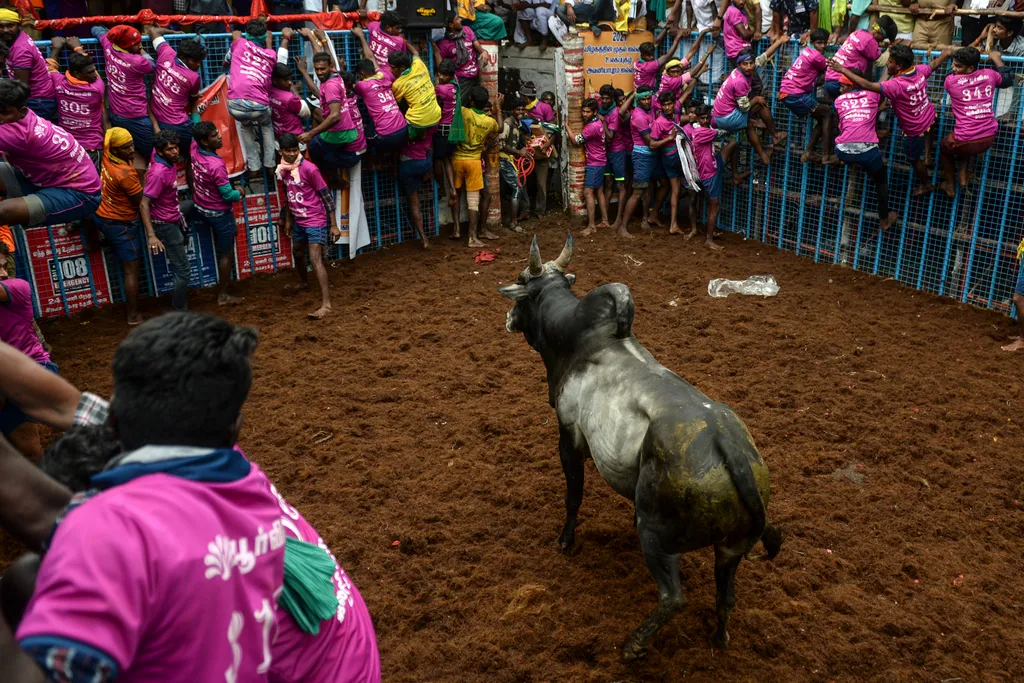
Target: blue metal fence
964 247
386 209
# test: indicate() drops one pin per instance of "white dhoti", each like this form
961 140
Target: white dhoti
536 18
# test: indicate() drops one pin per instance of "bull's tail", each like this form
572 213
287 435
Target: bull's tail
737 455
772 540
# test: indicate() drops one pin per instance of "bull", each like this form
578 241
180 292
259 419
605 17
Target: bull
688 463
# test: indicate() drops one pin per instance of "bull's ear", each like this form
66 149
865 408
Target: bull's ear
571 277
514 292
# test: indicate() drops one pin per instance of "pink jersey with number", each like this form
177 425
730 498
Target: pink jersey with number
623 139
80 109
47 155
352 107
908 93
702 144
162 189
16 317
333 90
382 44
736 86
665 127
801 77
209 173
645 73
857 111
380 104
970 96
445 94
734 42
640 122
303 196
173 88
447 48
594 143
251 66
284 111
126 73
173 579
859 50
25 55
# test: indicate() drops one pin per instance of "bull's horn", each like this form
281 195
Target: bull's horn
562 262
536 265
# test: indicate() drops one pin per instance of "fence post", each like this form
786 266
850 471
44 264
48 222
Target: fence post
573 52
489 80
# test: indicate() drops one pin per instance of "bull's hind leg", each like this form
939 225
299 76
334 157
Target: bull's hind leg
665 568
727 559
572 466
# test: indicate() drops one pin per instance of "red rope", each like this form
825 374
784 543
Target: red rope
327 20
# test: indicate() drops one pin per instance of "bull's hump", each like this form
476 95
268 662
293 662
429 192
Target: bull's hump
612 303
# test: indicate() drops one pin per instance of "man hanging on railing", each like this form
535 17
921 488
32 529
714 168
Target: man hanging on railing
26 64
80 97
127 66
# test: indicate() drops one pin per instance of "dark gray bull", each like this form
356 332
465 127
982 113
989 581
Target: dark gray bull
688 463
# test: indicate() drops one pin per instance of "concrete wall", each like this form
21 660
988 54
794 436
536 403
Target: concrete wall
533 65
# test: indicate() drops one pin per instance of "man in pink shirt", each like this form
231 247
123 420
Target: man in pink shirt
710 166
444 91
386 36
645 69
126 67
971 93
390 129
26 64
287 109
736 29
797 92
593 138
330 140
733 105
857 142
461 46
161 216
80 95
176 87
48 178
859 52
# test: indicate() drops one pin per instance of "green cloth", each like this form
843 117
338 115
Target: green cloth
339 137
457 134
825 15
658 7
838 14
487 26
308 593
228 192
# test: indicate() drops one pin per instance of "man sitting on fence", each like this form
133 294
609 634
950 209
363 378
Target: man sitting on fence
48 177
26 64
176 87
80 96
329 141
127 66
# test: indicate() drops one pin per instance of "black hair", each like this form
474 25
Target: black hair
667 96
701 109
323 57
181 379
819 35
13 93
78 62
607 90
350 80
365 67
546 93
400 60
619 92
902 55
5 50
888 27
191 49
256 27
281 71
447 67
288 141
449 17
391 18
646 48
968 56
164 138
1012 25
5 251
514 103
79 454
203 130
478 96
590 103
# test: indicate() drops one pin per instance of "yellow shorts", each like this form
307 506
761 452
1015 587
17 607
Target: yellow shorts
469 170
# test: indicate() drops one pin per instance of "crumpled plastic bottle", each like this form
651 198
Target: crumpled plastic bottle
759 285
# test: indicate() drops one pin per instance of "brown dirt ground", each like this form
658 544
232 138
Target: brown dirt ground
887 417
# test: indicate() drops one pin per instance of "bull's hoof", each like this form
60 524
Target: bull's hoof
566 544
633 650
720 641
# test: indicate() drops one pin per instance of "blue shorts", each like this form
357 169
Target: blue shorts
222 225
125 236
595 177
713 185
43 108
304 234
833 88
871 160
672 165
410 174
801 105
733 121
914 148
184 132
646 167
616 167
392 142
11 416
328 155
141 129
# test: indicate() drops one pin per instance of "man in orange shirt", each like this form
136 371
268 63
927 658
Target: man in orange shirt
118 213
7 238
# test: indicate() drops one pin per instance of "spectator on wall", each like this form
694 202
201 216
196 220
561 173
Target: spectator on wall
937 31
1006 37
802 16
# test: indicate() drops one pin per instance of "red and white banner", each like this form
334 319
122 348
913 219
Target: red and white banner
213 107
83 275
265 244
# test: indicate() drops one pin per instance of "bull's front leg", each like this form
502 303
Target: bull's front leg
572 466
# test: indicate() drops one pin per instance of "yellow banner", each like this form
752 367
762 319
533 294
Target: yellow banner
610 59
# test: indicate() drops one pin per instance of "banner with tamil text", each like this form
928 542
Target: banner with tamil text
610 59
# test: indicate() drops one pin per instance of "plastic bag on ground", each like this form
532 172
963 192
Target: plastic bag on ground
759 285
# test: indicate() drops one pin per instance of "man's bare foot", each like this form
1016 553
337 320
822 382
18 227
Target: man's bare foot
779 139
690 235
674 230
830 160
887 222
947 187
455 235
319 313
645 226
426 243
488 235
590 230
766 157
622 232
1014 346
228 300
655 222
135 320
713 245
604 224
543 45
740 177
299 287
923 189
474 243
809 156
